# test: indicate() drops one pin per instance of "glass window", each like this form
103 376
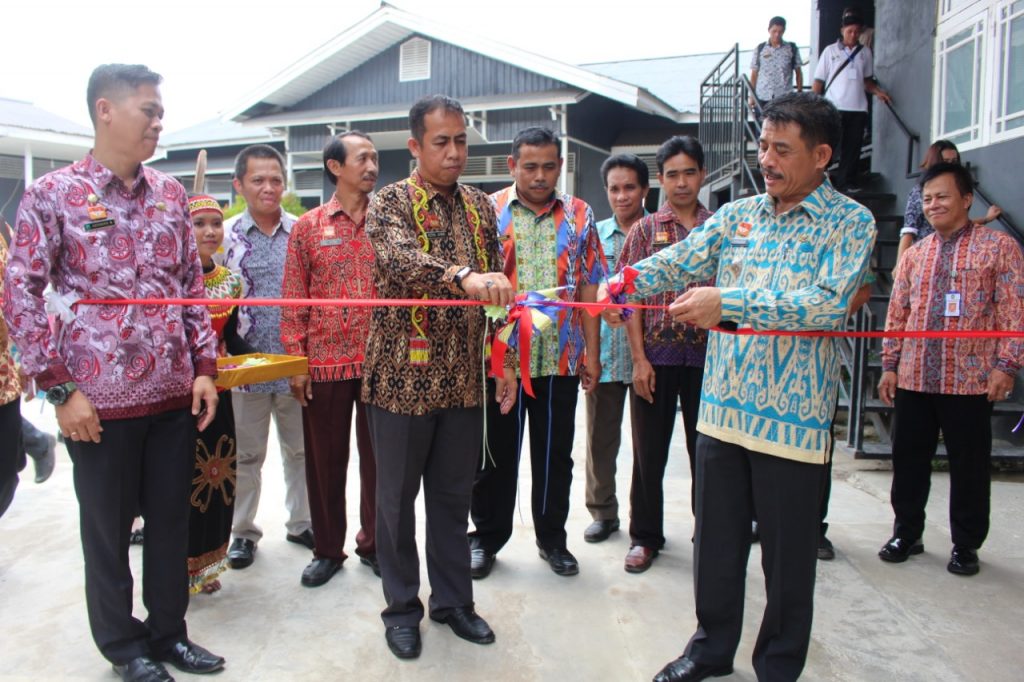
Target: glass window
960 75
1010 109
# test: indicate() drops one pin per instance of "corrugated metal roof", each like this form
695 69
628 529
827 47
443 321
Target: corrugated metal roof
674 79
215 131
19 114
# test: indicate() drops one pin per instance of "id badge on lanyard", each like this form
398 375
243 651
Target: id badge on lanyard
952 308
851 70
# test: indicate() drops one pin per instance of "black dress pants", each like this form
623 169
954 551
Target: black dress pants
12 454
653 424
441 448
143 464
733 482
966 425
552 416
854 123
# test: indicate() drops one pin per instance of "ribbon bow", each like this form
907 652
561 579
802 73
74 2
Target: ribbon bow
60 305
620 287
521 325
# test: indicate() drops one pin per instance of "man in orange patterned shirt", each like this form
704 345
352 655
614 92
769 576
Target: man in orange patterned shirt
962 278
330 256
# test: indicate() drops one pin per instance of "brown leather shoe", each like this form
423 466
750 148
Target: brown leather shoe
639 558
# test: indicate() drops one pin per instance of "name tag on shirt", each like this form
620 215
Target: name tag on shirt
953 304
740 242
336 241
436 234
98 224
661 238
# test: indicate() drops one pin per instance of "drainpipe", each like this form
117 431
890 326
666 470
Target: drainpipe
28 170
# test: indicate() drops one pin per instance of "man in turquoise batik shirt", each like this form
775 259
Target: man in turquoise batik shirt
789 259
627 181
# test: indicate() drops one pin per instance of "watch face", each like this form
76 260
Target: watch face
57 395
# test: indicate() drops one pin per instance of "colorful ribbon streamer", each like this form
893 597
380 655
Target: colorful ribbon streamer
520 328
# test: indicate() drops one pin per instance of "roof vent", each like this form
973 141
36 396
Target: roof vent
414 61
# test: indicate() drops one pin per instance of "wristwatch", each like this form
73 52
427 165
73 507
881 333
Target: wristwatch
59 394
460 274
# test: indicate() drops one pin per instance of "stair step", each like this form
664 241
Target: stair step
884 451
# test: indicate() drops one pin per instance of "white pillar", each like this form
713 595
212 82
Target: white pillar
563 179
29 171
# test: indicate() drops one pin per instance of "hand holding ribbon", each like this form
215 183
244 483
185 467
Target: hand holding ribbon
616 290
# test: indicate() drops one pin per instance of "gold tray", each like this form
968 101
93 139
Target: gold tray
279 367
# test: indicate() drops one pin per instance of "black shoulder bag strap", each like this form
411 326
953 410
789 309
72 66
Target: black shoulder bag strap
849 59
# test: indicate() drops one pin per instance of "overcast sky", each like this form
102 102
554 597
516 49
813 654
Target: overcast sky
213 52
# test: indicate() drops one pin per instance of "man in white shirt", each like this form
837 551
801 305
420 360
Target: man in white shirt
845 74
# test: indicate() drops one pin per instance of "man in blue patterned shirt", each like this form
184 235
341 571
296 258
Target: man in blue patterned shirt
255 246
627 181
789 259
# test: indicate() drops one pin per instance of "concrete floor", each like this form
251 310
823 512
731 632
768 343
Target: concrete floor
873 621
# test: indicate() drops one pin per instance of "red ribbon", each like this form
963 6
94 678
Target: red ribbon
402 302
522 315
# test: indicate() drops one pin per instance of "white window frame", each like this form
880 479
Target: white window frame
404 69
990 20
1000 117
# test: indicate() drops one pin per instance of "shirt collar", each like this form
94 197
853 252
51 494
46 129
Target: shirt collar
557 197
102 177
431 190
814 204
606 228
666 215
248 223
953 238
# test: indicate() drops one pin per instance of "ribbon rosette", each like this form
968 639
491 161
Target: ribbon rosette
620 287
532 313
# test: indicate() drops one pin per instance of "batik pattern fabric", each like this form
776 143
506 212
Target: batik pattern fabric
213 481
221 283
559 247
984 270
81 229
453 375
914 222
259 259
329 256
616 358
10 386
792 271
666 342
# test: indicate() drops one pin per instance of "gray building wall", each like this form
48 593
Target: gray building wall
589 185
454 71
904 64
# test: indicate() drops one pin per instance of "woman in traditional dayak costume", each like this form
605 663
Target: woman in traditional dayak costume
213 487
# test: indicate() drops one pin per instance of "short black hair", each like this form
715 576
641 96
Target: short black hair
256 151
535 136
777 21
336 150
108 78
817 117
962 176
680 144
424 106
631 161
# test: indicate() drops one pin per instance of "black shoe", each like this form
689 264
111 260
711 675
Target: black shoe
480 563
319 571
826 552
241 553
898 550
143 669
404 641
561 560
371 561
963 561
189 657
684 670
599 531
465 623
44 463
305 538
